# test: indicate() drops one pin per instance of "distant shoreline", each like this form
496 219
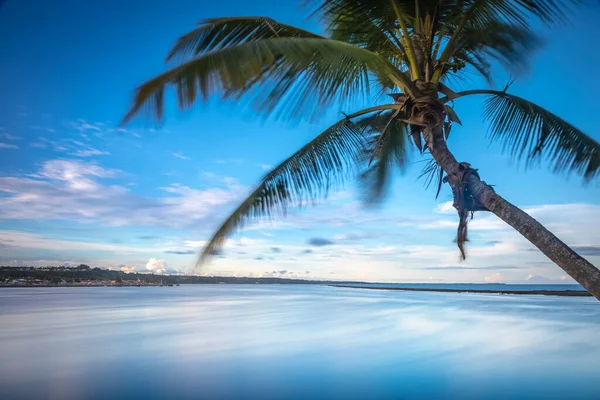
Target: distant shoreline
566 293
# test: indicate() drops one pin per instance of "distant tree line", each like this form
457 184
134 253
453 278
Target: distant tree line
83 272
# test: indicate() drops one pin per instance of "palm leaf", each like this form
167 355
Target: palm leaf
309 174
529 131
509 44
433 173
387 148
297 76
306 175
218 33
467 31
480 20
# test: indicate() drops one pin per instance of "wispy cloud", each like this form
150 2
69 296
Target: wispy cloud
26 240
83 126
8 146
90 152
179 155
73 190
58 146
7 136
358 235
73 170
229 161
266 167
481 268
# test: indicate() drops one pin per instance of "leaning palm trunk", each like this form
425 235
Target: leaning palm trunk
555 249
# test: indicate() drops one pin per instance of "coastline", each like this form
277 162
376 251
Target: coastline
82 286
564 293
539 292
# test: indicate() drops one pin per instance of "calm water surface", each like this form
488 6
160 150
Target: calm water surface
295 342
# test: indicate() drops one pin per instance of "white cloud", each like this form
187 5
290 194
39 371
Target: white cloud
127 269
24 240
90 152
71 170
487 222
543 280
576 222
72 190
196 243
83 126
229 161
179 155
360 235
156 266
193 204
445 208
266 167
8 146
59 146
494 278
7 136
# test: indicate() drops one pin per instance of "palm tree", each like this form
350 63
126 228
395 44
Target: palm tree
410 50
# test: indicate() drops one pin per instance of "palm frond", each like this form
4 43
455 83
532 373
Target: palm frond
432 173
306 176
510 45
353 26
547 11
387 149
479 20
495 29
295 76
385 25
328 11
217 33
531 132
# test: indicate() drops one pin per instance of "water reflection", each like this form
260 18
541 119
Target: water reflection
227 341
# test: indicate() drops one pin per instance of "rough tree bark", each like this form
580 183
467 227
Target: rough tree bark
556 250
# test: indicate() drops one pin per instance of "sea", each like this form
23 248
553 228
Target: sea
295 342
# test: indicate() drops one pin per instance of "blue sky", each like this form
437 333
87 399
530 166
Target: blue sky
74 187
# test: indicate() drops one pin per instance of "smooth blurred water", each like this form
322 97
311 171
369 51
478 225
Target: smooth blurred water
295 342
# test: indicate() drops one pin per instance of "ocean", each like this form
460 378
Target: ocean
295 342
